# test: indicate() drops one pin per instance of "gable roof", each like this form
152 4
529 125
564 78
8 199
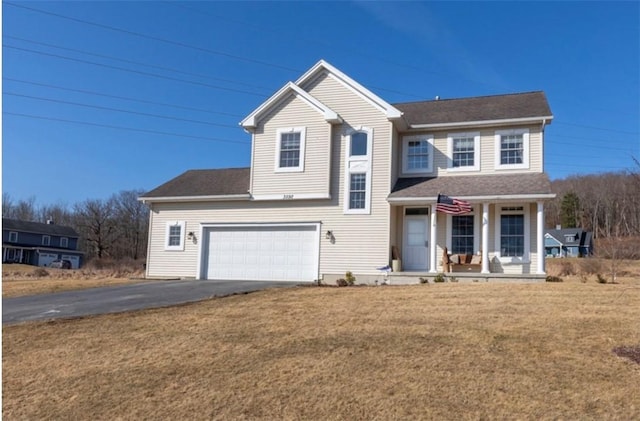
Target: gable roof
581 237
487 186
494 109
251 121
322 66
38 228
217 184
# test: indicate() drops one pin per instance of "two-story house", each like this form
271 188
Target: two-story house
568 242
340 180
39 244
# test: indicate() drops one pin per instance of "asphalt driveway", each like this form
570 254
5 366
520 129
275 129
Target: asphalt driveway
116 299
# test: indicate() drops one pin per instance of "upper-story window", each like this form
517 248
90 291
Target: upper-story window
512 149
358 171
64 242
417 154
464 151
174 236
13 237
46 240
290 149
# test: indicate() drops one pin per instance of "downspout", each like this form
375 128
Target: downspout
544 123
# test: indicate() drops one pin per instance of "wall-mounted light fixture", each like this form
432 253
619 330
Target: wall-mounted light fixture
328 235
190 235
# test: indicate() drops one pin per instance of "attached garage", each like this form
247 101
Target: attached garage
278 252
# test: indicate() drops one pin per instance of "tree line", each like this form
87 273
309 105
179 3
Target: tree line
606 204
114 228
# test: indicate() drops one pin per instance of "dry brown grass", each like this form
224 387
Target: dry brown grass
445 351
18 280
587 270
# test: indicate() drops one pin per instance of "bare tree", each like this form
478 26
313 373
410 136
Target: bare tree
96 223
132 220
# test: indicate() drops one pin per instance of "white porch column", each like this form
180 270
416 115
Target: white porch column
433 247
485 238
540 239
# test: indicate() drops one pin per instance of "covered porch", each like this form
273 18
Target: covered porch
500 237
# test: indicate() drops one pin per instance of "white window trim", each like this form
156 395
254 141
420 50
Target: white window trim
476 230
13 234
476 151
526 257
525 149
46 240
360 164
405 154
303 134
180 246
64 242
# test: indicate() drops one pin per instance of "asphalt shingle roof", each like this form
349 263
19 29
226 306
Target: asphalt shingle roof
483 108
216 182
38 228
481 185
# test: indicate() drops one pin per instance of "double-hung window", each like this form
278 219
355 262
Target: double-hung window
358 170
418 154
290 149
462 234
513 233
464 151
13 237
46 240
512 149
64 242
174 235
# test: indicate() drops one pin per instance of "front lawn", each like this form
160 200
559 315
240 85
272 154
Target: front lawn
443 351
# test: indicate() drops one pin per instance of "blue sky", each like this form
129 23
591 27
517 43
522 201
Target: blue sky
100 97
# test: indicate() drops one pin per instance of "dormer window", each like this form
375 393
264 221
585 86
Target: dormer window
417 154
464 151
290 149
512 149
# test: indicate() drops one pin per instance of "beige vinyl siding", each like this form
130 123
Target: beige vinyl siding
314 180
362 241
487 151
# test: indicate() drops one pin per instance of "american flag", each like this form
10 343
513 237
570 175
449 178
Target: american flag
452 206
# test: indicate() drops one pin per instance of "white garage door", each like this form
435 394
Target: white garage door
273 253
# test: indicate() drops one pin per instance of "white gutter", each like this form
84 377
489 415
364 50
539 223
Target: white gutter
507 121
216 198
475 199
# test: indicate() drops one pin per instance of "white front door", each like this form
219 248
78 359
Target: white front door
416 242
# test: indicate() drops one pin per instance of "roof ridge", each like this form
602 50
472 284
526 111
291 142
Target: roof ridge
469 97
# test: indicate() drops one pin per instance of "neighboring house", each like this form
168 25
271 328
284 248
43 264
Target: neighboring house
568 242
38 244
340 180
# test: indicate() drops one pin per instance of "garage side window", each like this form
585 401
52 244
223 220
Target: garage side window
174 237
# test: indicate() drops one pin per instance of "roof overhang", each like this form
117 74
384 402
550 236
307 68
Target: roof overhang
483 123
511 198
251 121
216 198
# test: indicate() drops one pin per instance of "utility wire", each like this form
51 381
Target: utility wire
135 71
142 101
86 123
166 117
154 38
595 128
169 69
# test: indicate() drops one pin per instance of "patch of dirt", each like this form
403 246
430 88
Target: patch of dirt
630 352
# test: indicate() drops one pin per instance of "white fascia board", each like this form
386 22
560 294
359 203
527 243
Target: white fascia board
501 122
475 199
215 198
329 115
391 112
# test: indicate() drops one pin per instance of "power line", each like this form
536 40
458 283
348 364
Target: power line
142 101
86 123
166 117
595 128
169 69
154 38
135 71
